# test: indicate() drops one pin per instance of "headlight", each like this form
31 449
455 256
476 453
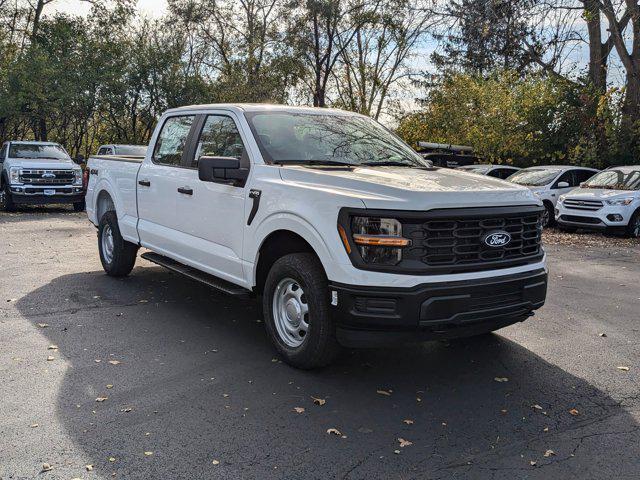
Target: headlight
378 240
561 198
620 201
14 175
78 176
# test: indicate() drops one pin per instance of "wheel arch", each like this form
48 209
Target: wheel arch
104 203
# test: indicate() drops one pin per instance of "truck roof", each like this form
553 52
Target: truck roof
33 142
261 107
559 167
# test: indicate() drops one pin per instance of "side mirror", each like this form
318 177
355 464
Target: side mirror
563 185
80 160
222 170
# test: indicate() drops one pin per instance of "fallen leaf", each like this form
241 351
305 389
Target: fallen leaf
101 399
299 409
319 401
112 459
384 392
404 443
109 387
34 425
574 412
216 462
624 369
548 453
89 467
501 379
50 358
148 454
115 362
53 347
334 431
603 334
143 301
532 463
46 467
408 422
397 452
536 406
126 409
97 360
43 325
11 300
545 429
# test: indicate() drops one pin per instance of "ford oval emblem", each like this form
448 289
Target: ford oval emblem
48 175
497 239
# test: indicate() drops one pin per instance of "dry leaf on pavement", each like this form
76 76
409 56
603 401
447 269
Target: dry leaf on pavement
148 454
334 431
548 453
404 443
384 392
43 325
53 347
574 412
319 401
101 399
299 409
115 362
89 467
50 358
501 379
215 462
408 422
46 467
623 368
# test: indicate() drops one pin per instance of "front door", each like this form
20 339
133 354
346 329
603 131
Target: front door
213 214
158 184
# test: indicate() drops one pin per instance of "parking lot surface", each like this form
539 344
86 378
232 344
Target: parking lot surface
157 377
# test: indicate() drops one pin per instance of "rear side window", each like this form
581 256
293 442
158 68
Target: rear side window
103 151
172 140
583 176
219 138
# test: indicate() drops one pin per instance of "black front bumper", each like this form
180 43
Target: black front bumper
46 199
372 316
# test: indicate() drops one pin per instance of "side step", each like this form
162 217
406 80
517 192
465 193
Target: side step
195 274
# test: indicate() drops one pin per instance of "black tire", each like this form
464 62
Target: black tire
79 206
123 256
6 200
319 346
633 229
552 215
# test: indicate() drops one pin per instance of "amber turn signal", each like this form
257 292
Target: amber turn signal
381 241
345 240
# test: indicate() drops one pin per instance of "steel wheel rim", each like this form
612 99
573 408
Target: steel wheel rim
545 218
290 312
635 231
107 244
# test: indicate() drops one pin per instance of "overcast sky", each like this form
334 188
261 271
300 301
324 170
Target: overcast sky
152 8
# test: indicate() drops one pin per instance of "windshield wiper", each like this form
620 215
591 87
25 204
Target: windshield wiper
389 163
316 162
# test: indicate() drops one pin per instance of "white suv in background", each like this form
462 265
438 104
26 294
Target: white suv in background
496 171
551 181
610 200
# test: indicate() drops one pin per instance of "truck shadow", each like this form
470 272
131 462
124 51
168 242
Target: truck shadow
194 379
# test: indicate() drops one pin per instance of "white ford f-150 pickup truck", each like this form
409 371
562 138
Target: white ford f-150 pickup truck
37 173
346 234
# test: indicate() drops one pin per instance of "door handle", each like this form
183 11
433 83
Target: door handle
185 190
144 183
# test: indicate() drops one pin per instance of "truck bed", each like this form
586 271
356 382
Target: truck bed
117 174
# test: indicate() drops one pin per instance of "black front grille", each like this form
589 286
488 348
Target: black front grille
451 241
47 177
591 205
577 219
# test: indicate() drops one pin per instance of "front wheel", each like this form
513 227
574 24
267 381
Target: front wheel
548 216
296 311
79 206
6 200
116 254
633 229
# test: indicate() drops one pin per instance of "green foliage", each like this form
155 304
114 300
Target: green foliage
522 121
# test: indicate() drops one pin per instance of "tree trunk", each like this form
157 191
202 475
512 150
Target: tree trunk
597 50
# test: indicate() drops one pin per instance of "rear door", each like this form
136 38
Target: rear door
159 179
213 214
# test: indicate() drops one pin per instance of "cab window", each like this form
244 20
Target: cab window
220 138
568 177
172 140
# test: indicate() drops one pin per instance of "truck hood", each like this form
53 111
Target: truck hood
600 194
410 188
42 164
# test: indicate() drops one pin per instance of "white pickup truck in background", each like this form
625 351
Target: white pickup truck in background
345 233
38 173
608 201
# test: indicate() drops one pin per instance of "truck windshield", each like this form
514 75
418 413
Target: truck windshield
330 139
534 177
131 150
615 180
41 151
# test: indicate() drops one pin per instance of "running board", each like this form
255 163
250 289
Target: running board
195 274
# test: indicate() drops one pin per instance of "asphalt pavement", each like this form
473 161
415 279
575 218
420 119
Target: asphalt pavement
157 377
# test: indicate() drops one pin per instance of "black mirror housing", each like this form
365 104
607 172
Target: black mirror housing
222 170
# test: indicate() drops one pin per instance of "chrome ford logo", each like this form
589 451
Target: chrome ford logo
497 239
48 175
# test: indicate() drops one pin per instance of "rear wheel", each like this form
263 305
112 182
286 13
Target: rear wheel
296 311
633 229
116 254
